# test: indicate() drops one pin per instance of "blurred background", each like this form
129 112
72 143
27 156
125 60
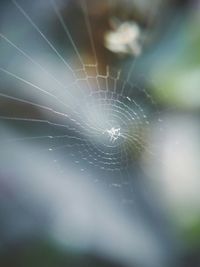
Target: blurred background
100 133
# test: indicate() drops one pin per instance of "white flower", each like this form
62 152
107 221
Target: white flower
124 40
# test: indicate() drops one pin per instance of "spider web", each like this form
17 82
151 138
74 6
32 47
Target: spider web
99 120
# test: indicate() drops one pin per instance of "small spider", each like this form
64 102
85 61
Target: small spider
114 133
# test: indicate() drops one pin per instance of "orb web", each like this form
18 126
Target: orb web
100 119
